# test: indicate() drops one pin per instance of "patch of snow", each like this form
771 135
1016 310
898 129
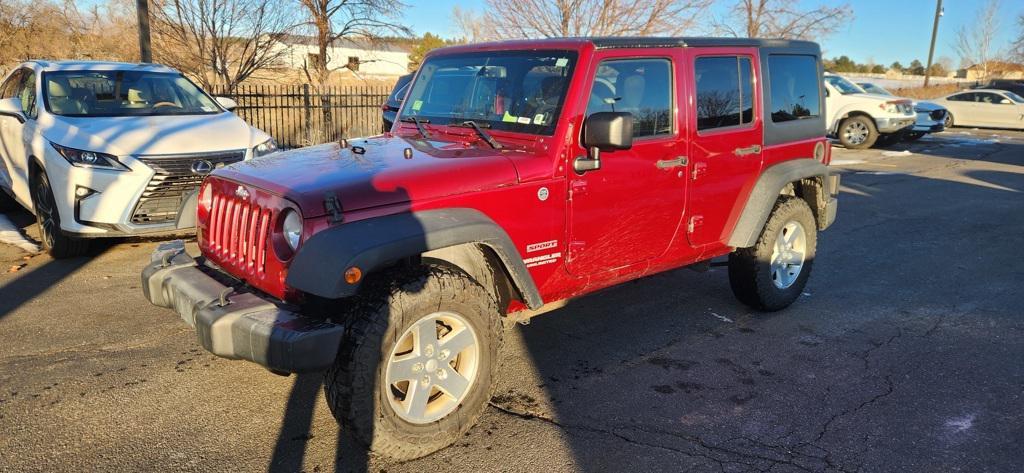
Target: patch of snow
720 317
11 234
960 424
897 153
845 162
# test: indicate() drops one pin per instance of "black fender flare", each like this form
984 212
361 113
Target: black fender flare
318 267
764 194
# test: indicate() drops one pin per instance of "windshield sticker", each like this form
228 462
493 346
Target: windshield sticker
417 105
523 120
538 119
508 117
206 109
562 62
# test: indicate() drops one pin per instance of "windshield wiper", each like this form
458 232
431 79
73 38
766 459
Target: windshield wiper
419 124
480 131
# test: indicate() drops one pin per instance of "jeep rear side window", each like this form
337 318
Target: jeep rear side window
642 87
724 91
794 87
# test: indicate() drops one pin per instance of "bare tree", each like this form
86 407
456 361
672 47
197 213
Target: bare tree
503 19
974 44
333 20
1017 47
782 19
222 42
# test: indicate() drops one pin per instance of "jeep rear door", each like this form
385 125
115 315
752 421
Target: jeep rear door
628 211
726 140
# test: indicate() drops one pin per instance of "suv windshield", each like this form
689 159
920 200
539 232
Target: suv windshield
844 86
520 91
123 93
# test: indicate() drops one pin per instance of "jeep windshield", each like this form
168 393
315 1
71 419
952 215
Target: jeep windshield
520 91
123 93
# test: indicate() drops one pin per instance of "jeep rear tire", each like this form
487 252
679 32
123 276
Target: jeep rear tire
418 364
857 132
55 242
772 274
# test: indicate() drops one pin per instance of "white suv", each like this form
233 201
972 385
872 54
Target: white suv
99 149
858 118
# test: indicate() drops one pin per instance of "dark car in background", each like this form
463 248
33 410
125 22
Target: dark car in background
394 101
1012 85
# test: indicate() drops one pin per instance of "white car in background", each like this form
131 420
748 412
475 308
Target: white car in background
101 149
984 107
931 117
858 119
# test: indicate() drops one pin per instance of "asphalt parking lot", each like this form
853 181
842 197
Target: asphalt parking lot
904 354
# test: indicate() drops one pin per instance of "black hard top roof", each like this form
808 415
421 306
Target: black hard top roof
661 42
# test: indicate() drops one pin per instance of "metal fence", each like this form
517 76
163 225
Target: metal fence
303 115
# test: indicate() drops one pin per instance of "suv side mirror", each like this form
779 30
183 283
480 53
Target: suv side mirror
607 131
12 108
228 104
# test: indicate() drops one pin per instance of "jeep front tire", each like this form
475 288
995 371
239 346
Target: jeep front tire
857 132
772 274
418 364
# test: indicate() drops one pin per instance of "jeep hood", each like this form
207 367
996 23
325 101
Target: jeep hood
384 173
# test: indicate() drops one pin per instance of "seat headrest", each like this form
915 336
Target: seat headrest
59 87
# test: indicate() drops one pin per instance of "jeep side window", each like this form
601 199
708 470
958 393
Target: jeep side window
794 87
724 91
642 87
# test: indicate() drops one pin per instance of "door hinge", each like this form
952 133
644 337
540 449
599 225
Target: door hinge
695 221
699 169
333 207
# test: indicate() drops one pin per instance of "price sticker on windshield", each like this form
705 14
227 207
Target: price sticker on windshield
562 62
417 105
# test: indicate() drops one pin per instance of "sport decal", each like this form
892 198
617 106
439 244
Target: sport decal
541 246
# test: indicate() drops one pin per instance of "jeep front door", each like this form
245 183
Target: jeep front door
627 211
725 141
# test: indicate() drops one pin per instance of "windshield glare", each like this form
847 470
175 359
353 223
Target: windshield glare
844 86
521 91
123 93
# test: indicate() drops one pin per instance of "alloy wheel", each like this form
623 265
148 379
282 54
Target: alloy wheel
45 212
788 254
432 367
855 132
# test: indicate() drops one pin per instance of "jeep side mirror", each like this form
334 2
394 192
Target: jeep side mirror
11 107
228 104
604 131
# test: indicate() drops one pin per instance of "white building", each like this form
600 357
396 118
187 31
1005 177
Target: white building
366 58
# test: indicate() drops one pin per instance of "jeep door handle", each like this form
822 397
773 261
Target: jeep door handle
671 163
752 149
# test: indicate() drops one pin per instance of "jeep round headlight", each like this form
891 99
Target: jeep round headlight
291 228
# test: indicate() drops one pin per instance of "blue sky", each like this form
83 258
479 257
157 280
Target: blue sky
882 30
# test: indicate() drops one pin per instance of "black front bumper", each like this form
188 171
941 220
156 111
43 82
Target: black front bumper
238 326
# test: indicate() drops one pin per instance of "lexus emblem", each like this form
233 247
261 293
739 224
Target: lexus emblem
202 167
242 193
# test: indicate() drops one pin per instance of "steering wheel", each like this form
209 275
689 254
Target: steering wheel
166 104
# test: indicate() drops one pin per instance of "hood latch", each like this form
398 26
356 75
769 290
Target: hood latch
333 207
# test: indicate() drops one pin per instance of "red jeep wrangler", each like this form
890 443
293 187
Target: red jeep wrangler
519 174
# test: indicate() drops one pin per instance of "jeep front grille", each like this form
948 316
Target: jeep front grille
172 181
237 233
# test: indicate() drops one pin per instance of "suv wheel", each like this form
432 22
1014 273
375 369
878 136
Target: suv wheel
948 121
772 274
55 242
857 132
418 364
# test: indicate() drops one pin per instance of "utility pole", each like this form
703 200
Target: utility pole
931 49
145 51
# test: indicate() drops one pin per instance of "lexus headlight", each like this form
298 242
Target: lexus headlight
89 159
264 148
291 227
